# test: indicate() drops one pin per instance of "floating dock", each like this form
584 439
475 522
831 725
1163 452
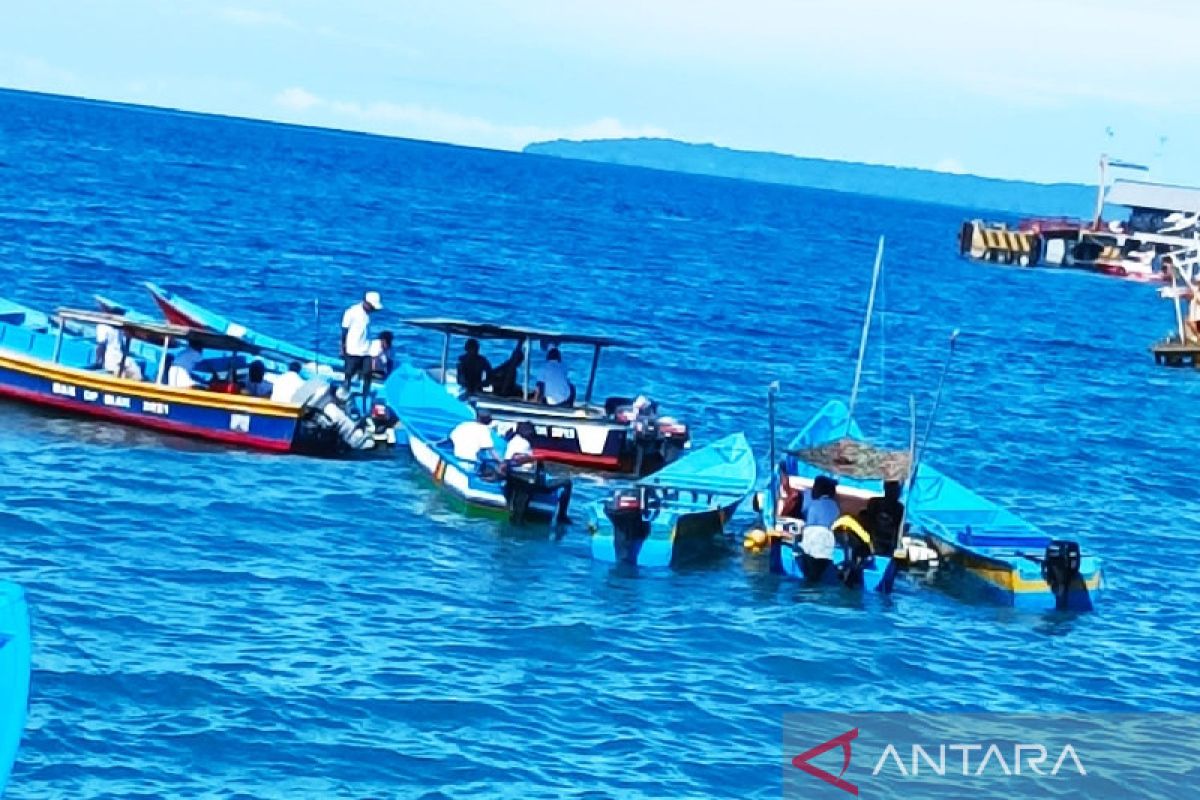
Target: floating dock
1173 353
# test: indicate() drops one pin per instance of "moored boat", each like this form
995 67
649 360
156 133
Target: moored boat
1007 559
429 415
678 514
14 674
623 434
52 362
178 310
831 445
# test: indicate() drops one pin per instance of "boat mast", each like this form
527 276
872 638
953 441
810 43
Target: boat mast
768 508
866 329
1100 191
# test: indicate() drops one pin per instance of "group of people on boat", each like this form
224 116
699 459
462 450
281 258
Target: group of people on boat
825 528
474 373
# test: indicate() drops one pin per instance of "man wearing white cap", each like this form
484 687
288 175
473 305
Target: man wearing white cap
356 342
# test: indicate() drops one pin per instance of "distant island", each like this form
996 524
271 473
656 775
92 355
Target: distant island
904 183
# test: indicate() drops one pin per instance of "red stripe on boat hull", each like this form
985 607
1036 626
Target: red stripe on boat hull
577 458
168 426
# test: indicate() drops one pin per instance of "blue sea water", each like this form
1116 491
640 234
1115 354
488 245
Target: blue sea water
222 624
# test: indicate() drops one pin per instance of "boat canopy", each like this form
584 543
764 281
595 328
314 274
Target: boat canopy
1157 196
487 330
158 332
854 458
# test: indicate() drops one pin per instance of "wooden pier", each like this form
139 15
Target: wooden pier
1173 353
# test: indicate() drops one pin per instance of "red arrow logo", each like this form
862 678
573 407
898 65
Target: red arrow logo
843 741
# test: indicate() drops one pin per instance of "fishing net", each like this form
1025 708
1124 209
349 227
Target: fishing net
855 459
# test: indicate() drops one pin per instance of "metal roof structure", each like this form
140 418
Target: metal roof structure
487 330
158 331
1159 196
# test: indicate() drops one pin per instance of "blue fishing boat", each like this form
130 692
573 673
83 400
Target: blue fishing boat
180 311
1010 560
429 415
677 514
52 362
14 674
843 553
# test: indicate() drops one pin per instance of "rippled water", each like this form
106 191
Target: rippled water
220 624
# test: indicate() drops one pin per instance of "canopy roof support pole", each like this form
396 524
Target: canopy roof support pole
1175 298
528 355
587 398
162 360
445 357
62 324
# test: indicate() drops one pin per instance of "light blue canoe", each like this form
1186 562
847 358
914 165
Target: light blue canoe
14 674
1010 560
677 514
180 311
428 415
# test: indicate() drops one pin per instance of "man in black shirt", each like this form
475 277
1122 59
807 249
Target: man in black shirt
474 371
882 518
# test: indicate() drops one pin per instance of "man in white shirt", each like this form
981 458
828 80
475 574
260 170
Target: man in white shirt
473 441
286 385
554 387
518 456
112 355
356 342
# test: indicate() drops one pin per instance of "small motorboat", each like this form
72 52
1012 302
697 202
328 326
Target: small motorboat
831 444
622 434
52 362
180 311
678 514
14 674
1010 560
428 414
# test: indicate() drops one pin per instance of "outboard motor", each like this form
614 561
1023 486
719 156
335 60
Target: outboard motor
1060 569
657 440
325 421
627 510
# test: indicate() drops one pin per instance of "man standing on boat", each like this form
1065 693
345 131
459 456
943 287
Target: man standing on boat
356 342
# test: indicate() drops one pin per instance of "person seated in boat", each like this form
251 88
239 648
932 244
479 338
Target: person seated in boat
473 370
554 387
112 353
257 384
190 357
178 377
383 359
518 455
882 518
503 378
473 442
287 384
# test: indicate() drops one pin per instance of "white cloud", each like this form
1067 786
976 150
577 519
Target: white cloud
951 165
295 98
254 18
417 121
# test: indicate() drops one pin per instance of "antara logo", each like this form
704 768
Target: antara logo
1022 759
843 741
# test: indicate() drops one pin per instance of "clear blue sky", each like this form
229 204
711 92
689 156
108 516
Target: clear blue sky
1023 89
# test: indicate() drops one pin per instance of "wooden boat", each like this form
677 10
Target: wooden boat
51 362
678 514
180 311
14 674
428 415
855 562
618 435
1013 562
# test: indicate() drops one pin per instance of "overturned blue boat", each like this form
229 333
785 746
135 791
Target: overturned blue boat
428 415
677 514
14 674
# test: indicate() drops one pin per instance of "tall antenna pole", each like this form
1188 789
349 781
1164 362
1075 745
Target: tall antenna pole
866 329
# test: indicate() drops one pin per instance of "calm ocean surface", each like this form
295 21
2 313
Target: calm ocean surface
222 624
